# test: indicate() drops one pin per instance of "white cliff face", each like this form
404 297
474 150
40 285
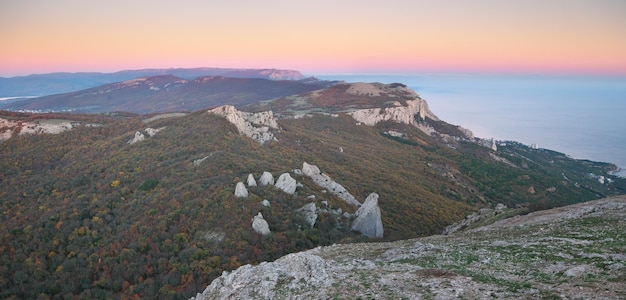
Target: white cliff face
241 191
326 182
368 220
259 225
253 125
400 113
266 179
286 183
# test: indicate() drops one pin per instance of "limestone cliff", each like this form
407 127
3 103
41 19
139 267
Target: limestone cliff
253 125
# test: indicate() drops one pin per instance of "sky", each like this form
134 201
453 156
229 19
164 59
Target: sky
315 37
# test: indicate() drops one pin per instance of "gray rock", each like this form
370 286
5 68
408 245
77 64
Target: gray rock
266 179
259 225
368 220
251 181
326 182
137 138
265 203
253 125
286 183
240 190
309 212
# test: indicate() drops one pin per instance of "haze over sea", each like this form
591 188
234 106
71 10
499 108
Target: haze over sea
581 116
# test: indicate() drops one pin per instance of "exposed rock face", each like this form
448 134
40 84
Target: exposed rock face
275 74
152 132
251 181
241 191
326 182
253 125
368 220
404 114
50 126
309 212
286 183
137 138
259 225
260 282
267 178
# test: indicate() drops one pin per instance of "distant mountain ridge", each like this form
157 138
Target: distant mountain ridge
56 83
167 93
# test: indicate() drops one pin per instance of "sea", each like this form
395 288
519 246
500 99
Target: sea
583 117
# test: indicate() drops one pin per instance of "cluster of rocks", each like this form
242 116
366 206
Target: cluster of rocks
253 125
8 128
399 113
367 220
141 136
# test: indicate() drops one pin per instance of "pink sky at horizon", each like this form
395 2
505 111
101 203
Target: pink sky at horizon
322 37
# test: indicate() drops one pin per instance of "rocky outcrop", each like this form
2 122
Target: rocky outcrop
262 281
480 216
265 203
251 181
253 125
286 183
8 127
399 113
309 213
326 182
241 191
259 225
276 74
368 220
137 138
266 178
142 136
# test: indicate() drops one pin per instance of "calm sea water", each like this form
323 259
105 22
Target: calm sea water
581 116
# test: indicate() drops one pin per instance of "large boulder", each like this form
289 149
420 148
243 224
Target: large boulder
368 220
240 190
259 225
286 183
309 213
266 178
251 181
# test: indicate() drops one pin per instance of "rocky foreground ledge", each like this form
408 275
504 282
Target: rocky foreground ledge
572 252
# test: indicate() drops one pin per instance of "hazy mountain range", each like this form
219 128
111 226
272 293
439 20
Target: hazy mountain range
56 83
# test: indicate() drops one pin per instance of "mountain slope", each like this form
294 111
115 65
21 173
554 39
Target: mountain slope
56 83
572 252
166 93
87 214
